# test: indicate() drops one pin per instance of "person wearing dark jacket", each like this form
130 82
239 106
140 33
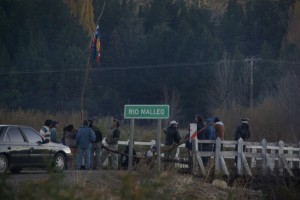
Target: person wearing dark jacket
125 158
96 146
209 134
172 138
242 131
53 132
200 130
112 144
70 141
84 138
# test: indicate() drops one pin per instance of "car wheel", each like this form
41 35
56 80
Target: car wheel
60 162
3 163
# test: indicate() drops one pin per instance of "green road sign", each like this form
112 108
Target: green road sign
146 112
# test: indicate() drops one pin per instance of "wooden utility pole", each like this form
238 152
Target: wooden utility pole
251 60
87 70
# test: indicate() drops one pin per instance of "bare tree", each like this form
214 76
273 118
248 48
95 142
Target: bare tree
288 97
172 98
223 82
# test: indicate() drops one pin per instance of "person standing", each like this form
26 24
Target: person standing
84 138
209 134
150 155
53 132
172 138
96 146
45 130
200 130
112 144
219 128
242 131
70 141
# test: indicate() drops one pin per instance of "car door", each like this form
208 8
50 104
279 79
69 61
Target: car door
39 151
16 146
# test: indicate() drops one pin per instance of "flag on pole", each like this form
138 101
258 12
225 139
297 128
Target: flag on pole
96 45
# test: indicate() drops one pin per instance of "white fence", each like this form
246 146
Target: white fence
269 157
264 156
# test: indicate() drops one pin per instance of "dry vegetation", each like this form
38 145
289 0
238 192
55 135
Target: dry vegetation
106 184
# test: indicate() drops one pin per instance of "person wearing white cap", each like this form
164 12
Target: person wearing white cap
242 131
172 138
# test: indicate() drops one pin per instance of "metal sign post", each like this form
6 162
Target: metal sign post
146 112
131 145
158 145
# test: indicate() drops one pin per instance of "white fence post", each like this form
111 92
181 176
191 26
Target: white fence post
253 159
264 155
272 160
280 152
194 152
217 155
290 152
239 154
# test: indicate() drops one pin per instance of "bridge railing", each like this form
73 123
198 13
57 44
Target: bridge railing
245 156
269 157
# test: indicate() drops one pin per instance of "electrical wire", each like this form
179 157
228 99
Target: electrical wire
137 67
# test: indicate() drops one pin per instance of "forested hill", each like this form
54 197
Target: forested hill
162 51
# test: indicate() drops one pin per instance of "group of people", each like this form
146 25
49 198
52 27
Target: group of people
85 143
209 129
48 130
89 152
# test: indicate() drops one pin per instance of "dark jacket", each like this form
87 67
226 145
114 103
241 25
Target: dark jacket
70 139
208 134
242 131
113 136
172 135
97 133
200 135
125 158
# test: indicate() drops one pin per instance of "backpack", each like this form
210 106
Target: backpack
245 131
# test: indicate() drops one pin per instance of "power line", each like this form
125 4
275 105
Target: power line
137 67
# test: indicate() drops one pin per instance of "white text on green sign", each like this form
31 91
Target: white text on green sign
146 112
